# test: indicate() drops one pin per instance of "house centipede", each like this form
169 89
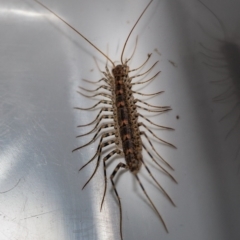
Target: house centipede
121 106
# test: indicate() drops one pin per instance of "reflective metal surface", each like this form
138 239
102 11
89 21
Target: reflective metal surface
42 63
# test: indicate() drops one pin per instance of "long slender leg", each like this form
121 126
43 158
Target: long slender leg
144 191
108 125
102 86
99 119
138 100
151 94
167 128
95 60
164 192
162 168
148 57
98 160
98 131
98 94
120 165
106 158
102 110
102 101
151 156
146 136
142 124
108 75
93 139
136 83
100 145
94 82
139 75
165 109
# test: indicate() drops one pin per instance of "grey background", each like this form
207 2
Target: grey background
42 63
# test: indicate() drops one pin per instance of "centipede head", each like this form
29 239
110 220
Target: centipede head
120 70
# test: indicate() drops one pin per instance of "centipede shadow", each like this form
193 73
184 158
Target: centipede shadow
220 54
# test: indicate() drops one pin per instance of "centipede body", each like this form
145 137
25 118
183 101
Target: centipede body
120 105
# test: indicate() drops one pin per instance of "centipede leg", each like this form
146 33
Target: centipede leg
162 168
102 86
102 110
149 105
102 101
144 191
146 136
112 153
98 160
108 125
160 126
146 81
139 75
142 124
148 57
164 109
120 165
164 192
99 120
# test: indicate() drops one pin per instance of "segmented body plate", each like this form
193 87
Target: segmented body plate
127 118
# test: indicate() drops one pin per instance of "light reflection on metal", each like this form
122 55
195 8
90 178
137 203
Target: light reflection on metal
9 157
25 13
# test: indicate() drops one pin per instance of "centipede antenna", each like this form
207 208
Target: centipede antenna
74 29
132 30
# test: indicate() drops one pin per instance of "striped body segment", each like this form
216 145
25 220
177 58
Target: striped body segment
127 121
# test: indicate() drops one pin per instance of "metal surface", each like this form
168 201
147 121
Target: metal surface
42 63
